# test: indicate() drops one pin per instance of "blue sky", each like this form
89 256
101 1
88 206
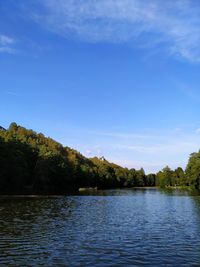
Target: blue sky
114 78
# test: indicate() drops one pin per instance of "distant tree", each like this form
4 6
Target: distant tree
33 163
13 127
165 177
151 179
179 177
193 170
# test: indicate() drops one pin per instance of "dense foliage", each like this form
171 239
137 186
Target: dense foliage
193 171
170 178
33 163
188 178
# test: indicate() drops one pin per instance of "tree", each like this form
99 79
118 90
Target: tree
33 163
193 170
165 177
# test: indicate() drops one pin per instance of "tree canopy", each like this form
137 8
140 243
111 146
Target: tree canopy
33 163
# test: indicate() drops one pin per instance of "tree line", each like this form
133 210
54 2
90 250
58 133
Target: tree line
31 163
190 177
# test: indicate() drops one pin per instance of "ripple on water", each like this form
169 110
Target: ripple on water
112 228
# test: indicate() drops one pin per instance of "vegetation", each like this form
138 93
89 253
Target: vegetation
32 163
179 178
170 178
193 171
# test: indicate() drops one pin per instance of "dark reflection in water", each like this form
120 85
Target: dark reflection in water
107 228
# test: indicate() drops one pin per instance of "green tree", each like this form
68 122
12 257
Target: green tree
193 170
165 177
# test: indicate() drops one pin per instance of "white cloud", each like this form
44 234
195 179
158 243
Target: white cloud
6 44
10 93
174 146
152 150
174 24
6 49
123 135
149 167
6 40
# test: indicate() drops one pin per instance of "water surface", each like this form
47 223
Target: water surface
110 228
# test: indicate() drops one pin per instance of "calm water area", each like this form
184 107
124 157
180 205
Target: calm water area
133 227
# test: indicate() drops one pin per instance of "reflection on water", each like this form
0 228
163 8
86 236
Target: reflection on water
107 228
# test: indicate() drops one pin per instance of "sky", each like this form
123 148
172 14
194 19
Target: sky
112 78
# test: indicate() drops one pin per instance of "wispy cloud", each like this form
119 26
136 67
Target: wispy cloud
6 49
6 44
122 135
10 93
174 25
152 150
6 40
175 147
149 167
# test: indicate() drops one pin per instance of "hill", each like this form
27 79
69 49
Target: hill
2 129
31 163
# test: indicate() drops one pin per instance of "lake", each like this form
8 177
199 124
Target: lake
138 227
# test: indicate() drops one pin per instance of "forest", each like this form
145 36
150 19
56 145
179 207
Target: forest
31 163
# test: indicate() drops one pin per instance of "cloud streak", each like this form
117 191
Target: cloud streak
152 150
173 25
6 44
6 40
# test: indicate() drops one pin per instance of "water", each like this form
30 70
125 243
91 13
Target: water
112 228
